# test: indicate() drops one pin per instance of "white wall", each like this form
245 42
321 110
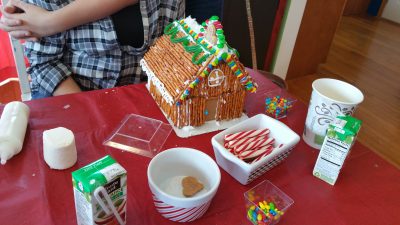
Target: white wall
288 39
392 11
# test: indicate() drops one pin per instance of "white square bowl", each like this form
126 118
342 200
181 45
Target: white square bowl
245 172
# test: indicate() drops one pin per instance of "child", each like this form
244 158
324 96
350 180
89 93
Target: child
98 54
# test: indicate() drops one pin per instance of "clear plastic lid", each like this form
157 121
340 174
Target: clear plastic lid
139 135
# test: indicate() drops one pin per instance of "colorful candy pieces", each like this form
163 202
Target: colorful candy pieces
277 106
265 213
244 79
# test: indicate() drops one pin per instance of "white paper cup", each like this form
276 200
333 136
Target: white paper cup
330 98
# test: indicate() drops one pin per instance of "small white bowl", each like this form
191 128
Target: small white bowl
165 173
242 171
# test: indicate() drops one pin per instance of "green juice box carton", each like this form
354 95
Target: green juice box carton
100 192
340 137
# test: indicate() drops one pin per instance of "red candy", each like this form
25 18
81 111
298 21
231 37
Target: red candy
251 145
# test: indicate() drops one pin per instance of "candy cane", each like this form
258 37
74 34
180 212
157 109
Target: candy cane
226 145
230 150
242 141
253 145
250 154
248 134
263 155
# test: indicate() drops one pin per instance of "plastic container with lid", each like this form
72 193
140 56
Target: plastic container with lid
266 203
139 135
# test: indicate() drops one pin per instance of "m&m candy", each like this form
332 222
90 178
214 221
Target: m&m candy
265 213
277 106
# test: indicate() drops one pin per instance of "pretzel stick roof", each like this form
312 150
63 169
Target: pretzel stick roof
188 57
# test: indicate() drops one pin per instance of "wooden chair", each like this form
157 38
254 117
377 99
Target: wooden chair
274 78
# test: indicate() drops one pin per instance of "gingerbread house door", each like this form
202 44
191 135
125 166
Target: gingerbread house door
215 80
211 108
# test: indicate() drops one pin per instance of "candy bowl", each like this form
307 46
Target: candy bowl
284 140
266 203
278 103
165 174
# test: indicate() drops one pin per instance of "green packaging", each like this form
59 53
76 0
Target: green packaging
340 137
93 185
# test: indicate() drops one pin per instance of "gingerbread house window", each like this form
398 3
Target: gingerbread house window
216 78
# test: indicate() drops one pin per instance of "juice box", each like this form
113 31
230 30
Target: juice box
104 175
340 137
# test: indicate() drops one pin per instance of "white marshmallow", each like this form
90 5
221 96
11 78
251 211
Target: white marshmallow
59 148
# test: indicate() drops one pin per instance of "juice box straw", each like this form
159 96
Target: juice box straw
109 203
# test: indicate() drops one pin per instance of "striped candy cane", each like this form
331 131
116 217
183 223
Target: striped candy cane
253 153
248 134
242 141
263 155
253 145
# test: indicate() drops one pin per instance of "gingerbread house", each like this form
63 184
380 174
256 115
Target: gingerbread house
194 75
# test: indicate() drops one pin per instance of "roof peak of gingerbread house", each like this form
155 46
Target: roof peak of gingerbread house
207 38
208 45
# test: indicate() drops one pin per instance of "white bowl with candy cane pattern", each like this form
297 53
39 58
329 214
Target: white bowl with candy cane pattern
284 141
165 173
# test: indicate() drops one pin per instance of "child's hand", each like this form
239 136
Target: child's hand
11 25
26 21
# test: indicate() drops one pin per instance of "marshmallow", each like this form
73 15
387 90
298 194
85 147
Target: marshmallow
59 148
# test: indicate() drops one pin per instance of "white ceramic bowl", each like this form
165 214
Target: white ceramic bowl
242 171
165 173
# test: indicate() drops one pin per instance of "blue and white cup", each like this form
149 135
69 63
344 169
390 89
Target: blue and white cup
330 98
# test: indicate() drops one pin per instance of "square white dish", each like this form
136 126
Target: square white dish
245 172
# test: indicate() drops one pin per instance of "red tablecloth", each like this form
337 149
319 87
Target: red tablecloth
367 191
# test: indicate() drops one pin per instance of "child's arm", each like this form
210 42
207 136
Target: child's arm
39 22
47 66
68 86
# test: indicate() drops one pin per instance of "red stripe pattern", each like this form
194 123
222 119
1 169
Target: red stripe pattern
253 153
247 134
253 145
180 214
242 141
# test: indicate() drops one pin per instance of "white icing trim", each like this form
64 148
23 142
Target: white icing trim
179 115
194 25
218 80
187 112
159 85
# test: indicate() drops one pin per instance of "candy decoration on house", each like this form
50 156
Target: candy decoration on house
194 75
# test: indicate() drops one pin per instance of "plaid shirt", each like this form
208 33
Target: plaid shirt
91 53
